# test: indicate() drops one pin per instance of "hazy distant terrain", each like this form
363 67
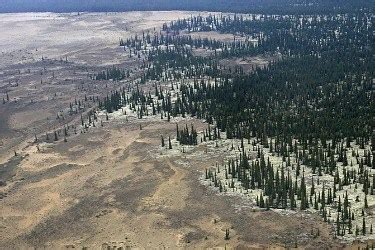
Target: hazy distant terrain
268 6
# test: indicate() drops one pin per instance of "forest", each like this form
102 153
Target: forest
305 122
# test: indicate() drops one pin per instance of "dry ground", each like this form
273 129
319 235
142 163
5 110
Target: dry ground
46 60
112 185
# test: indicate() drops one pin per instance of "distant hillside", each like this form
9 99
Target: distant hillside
265 6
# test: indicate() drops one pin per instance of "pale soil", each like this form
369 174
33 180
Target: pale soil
89 42
249 63
106 186
89 38
214 35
